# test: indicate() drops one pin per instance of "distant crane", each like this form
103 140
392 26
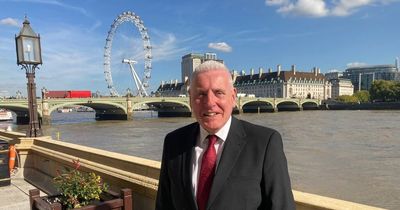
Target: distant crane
139 85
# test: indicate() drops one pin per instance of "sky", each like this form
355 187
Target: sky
328 34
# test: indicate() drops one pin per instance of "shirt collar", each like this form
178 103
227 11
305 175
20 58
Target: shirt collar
221 134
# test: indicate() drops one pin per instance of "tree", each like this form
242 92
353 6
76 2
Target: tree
385 90
362 96
347 99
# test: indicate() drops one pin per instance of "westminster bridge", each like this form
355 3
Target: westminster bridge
122 108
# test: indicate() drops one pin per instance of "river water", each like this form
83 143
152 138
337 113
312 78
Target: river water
349 155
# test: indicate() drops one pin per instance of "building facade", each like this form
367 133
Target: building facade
173 89
191 61
341 87
283 84
363 76
335 74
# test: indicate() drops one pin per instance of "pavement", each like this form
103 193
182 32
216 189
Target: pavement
16 195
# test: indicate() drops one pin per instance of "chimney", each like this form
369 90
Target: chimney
318 71
269 70
251 71
294 69
315 71
243 73
397 64
162 83
170 82
176 82
278 70
260 72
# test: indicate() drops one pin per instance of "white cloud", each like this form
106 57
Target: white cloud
167 49
322 8
356 64
221 46
9 21
311 8
347 7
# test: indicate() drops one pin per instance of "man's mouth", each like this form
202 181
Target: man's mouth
209 114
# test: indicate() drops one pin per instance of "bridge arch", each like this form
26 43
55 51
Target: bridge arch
288 105
160 101
167 107
257 106
96 105
21 111
310 105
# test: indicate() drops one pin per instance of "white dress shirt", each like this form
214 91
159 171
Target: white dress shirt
201 146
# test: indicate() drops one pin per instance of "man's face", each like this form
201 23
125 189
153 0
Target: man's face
212 98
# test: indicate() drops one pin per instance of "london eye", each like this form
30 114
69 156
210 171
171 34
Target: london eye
144 83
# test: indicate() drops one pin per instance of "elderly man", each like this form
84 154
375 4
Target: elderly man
221 162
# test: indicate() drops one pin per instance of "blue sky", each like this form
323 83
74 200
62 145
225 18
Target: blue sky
329 34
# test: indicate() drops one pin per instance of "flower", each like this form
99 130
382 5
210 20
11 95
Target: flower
78 188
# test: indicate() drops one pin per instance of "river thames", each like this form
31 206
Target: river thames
349 155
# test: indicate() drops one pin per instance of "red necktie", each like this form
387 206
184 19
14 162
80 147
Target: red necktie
207 171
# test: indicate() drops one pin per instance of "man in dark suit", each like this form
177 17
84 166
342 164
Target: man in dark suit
221 162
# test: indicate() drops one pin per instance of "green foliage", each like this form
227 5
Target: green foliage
385 90
362 96
347 99
77 188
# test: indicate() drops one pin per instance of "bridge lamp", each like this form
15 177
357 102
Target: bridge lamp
128 92
44 93
29 57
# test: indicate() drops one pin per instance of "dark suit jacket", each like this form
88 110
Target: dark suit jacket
252 172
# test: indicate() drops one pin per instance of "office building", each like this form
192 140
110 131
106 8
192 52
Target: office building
363 76
191 61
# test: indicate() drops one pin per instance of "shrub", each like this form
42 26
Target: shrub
78 188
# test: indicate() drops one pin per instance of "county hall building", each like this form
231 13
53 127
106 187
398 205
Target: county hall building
283 84
280 84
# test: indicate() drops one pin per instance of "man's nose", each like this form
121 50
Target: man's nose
210 99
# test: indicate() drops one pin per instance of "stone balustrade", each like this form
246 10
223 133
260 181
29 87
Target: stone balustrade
40 158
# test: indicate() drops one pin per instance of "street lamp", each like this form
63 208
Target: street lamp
18 94
44 93
128 92
29 57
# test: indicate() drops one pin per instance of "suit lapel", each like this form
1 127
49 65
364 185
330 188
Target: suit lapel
232 147
187 164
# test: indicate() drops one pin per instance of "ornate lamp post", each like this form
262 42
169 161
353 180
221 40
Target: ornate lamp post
44 93
128 92
29 57
18 94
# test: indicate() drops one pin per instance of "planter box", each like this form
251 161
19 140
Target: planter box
123 201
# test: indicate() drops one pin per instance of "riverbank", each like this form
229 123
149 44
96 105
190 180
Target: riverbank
362 106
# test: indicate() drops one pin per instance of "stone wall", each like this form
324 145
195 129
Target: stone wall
40 158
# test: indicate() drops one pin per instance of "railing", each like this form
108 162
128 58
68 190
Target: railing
41 157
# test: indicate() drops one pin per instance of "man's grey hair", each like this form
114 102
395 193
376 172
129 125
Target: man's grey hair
210 65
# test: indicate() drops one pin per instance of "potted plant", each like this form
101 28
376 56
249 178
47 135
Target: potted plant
80 190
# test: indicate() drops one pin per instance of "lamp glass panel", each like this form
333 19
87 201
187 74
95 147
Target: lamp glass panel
20 54
30 49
